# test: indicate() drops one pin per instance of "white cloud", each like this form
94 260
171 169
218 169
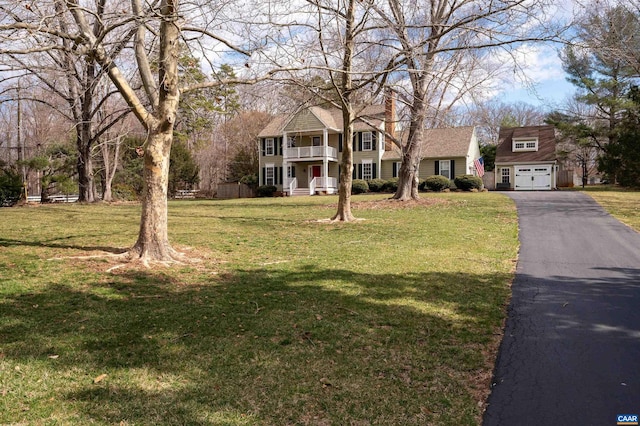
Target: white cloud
532 74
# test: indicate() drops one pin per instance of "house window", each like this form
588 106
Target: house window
316 141
269 146
396 169
525 145
291 142
291 172
505 174
367 141
270 175
367 170
445 168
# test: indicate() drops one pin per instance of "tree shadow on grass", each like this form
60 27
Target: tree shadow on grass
269 346
5 242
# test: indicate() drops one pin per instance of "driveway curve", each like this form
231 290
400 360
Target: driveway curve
570 354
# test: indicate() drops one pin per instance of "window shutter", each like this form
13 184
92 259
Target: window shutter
293 171
264 146
354 174
355 142
339 173
280 146
360 171
395 170
453 169
437 163
374 137
264 175
359 141
374 167
279 179
340 142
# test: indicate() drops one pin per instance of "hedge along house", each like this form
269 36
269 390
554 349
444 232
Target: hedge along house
449 152
526 159
300 153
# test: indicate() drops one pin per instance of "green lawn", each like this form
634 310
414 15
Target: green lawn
393 320
623 204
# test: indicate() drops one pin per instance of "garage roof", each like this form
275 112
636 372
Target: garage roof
546 152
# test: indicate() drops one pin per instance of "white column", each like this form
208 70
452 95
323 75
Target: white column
284 144
325 159
285 176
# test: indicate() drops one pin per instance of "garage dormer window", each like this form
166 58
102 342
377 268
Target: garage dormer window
525 144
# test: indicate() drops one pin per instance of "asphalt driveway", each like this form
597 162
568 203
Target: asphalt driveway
571 350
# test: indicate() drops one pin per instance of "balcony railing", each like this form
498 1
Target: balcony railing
316 184
311 152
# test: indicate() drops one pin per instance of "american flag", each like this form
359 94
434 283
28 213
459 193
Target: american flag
479 163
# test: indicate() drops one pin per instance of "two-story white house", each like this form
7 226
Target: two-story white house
300 152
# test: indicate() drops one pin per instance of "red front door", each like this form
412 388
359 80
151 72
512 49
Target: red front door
316 171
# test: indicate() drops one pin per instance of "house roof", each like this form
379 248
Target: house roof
440 143
546 144
330 118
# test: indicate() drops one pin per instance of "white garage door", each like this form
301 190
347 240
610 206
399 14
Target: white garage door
533 178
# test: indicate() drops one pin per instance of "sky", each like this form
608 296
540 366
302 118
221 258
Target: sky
548 85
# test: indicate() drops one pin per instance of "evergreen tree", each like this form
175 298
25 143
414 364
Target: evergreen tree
183 170
598 65
623 155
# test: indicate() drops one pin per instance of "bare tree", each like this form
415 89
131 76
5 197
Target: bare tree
490 116
49 57
168 21
345 69
427 35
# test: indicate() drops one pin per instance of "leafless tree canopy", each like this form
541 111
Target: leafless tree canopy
434 54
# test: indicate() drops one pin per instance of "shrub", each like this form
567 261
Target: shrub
250 180
10 187
376 185
124 192
391 185
436 183
266 191
359 186
468 182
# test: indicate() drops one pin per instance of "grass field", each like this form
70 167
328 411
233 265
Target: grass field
393 320
624 205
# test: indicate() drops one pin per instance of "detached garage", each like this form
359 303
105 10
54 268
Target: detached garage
526 159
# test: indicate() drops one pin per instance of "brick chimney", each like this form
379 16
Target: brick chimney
389 117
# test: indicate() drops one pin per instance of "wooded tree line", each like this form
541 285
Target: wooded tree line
206 76
600 125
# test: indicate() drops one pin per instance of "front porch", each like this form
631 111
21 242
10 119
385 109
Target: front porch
317 185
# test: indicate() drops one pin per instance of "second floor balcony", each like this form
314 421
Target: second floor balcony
311 153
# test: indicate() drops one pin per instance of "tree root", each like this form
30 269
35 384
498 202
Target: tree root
134 256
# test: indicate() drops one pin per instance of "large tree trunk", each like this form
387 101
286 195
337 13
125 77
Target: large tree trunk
345 90
110 168
408 177
408 174
86 184
84 135
346 169
153 240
